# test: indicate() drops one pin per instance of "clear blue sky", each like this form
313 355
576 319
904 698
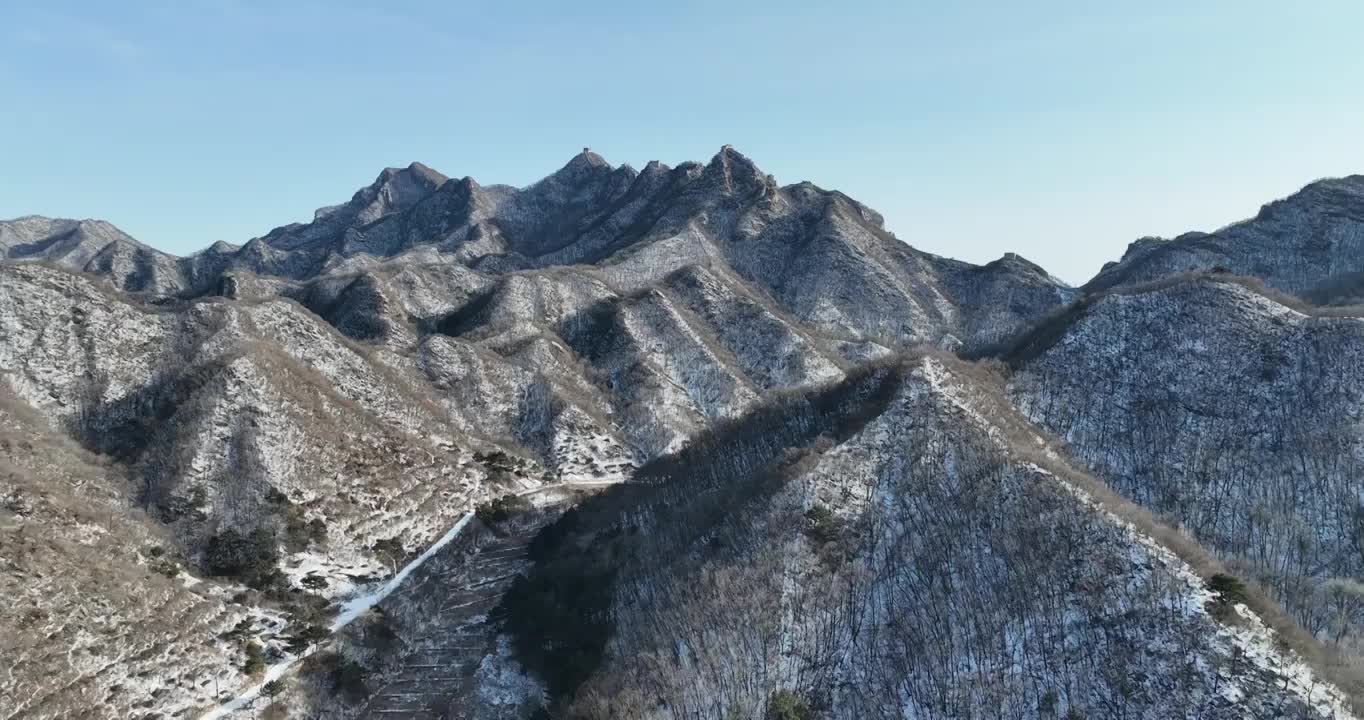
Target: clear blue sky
1061 130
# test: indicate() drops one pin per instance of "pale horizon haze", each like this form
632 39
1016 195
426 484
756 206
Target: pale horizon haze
1058 130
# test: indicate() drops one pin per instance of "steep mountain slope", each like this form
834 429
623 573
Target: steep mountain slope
241 415
1212 403
100 618
1296 244
247 440
251 426
871 551
435 646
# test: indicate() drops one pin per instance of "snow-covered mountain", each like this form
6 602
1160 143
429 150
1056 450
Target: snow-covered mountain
898 545
1217 405
817 254
867 549
103 614
259 432
1309 240
92 246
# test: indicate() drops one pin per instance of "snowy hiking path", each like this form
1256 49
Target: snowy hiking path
355 607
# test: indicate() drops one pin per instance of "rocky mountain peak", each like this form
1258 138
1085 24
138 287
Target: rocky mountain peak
395 190
589 158
415 173
582 167
1015 262
735 172
432 176
221 247
655 167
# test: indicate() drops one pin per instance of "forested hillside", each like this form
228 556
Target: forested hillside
872 551
1233 414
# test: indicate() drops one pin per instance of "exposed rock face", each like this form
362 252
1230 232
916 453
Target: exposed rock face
287 421
1296 244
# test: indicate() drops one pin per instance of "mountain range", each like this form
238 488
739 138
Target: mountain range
736 451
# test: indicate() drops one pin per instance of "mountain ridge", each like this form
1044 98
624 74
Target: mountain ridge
791 240
295 417
1294 244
